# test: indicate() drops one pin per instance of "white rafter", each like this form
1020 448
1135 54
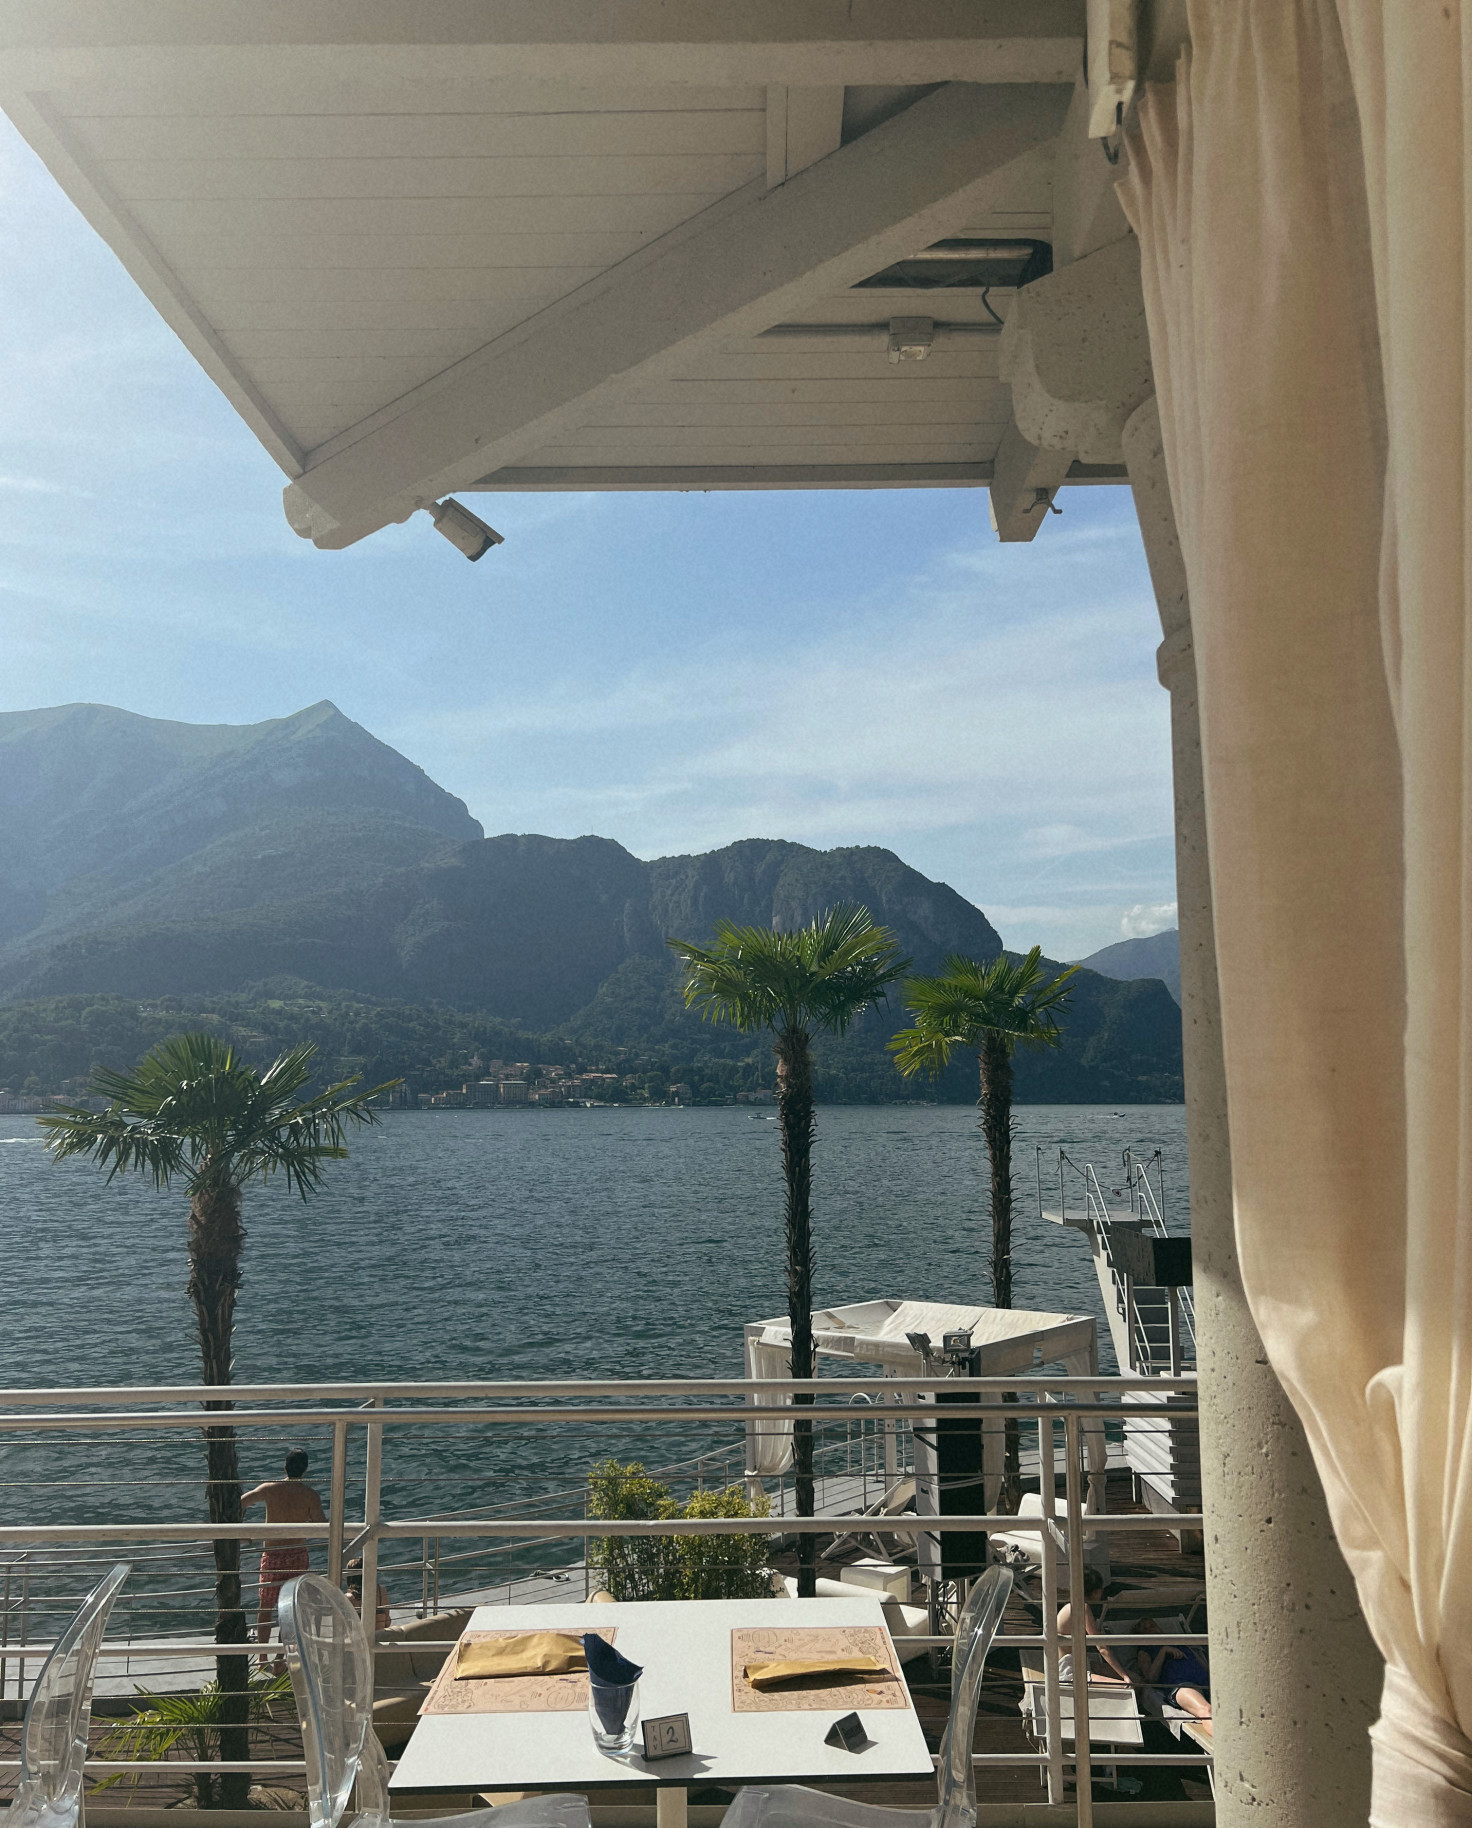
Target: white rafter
751 260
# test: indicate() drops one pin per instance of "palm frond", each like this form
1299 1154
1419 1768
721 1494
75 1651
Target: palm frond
1013 998
191 1109
191 1718
114 1141
821 976
917 1051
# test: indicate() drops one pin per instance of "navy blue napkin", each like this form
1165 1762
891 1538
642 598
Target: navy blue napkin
613 1679
605 1665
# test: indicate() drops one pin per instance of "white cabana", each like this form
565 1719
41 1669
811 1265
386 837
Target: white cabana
1011 1340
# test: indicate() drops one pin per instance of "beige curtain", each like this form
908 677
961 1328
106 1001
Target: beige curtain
1300 195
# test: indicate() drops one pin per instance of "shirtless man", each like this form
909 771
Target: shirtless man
287 1500
1104 1666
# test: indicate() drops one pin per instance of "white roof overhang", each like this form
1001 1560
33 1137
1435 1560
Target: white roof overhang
563 243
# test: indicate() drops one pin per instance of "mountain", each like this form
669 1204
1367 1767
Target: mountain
1159 955
303 857
526 927
112 820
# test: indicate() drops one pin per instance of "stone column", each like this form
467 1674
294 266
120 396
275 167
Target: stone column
1295 1676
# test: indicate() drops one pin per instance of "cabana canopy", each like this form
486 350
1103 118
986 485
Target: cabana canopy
875 1333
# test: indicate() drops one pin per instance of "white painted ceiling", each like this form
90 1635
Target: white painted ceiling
350 229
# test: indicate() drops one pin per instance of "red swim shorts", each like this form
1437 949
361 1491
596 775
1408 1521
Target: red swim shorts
277 1567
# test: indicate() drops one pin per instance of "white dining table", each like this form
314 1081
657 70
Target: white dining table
685 1649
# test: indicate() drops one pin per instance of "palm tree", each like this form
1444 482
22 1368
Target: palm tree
994 1009
819 978
191 1111
991 1008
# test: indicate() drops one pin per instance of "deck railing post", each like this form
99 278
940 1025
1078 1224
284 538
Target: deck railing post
25 1608
372 1510
1083 1767
1048 1489
4 1627
337 1502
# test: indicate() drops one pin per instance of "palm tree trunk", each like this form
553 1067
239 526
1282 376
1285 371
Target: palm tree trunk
996 1127
215 1239
996 1124
798 1120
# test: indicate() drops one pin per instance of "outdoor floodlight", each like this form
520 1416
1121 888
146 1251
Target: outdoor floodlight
919 1342
955 1342
465 531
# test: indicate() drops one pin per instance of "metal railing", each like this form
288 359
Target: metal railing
1147 1205
1170 1309
47 1564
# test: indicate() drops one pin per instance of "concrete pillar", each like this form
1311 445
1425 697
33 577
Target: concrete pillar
1295 1676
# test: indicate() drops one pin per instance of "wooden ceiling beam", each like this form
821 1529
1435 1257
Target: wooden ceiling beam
751 260
800 42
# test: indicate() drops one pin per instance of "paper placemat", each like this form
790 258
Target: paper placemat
762 1644
565 1694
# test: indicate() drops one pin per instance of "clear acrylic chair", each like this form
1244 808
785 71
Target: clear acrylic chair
795 1806
332 1677
54 1740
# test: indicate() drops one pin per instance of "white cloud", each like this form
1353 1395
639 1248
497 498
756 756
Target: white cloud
1140 921
38 485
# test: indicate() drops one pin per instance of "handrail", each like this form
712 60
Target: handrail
837 1387
1098 1220
1059 1409
1142 1199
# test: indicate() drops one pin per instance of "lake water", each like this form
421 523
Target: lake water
556 1243
511 1244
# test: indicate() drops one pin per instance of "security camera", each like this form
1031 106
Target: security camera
467 532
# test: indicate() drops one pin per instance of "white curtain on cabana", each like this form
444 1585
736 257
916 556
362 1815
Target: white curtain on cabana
768 1443
1301 194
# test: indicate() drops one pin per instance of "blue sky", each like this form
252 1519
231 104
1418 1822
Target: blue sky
673 671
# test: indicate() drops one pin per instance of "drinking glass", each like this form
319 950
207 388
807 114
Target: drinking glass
613 1713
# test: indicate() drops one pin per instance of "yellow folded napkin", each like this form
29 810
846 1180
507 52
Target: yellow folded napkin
521 1653
792 1669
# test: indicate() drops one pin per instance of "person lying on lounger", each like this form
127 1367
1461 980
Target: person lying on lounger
1180 1674
1104 1666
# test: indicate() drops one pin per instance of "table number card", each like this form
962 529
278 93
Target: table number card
848 1734
667 1736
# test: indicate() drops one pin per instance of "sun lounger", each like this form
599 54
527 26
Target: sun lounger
1114 1720
1022 1549
403 1674
903 1621
1181 1596
1114 1715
